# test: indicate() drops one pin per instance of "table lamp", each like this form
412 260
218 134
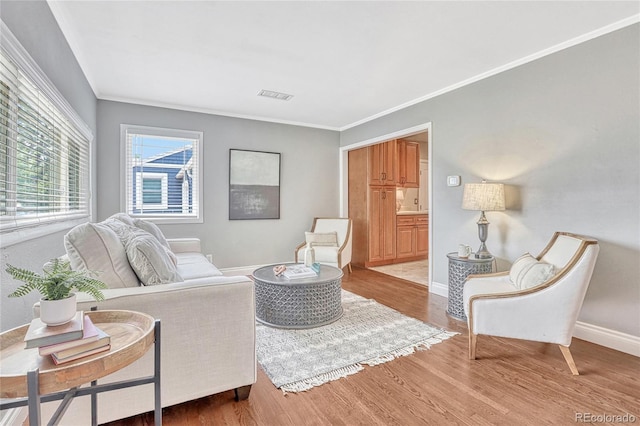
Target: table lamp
483 197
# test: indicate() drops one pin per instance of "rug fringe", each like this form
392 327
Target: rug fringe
320 379
408 350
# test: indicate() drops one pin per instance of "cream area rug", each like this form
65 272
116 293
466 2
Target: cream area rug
367 334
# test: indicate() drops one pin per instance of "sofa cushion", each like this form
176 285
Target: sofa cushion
195 265
153 229
149 259
329 239
95 247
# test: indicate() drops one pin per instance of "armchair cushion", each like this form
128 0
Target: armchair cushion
329 239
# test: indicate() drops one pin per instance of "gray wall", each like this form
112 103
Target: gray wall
563 133
308 179
35 27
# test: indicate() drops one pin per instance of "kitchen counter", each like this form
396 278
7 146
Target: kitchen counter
412 212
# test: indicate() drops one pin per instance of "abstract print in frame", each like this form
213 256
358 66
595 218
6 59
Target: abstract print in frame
254 185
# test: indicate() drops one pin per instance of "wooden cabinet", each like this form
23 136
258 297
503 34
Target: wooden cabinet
408 164
383 164
405 237
380 236
412 237
382 225
422 236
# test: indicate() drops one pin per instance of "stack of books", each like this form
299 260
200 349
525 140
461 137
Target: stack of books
299 271
67 342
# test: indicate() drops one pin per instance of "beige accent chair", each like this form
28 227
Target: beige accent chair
338 255
546 311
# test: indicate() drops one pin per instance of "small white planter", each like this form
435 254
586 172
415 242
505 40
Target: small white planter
58 312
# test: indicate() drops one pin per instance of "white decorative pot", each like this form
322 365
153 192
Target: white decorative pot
58 312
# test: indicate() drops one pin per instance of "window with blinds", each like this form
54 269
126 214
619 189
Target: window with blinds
44 156
162 173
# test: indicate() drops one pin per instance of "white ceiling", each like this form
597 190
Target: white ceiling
344 62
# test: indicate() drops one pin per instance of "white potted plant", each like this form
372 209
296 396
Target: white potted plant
58 303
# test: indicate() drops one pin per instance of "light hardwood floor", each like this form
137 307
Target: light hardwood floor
511 383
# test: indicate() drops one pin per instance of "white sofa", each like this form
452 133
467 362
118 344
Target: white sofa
207 320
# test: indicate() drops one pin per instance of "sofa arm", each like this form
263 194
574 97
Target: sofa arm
184 245
208 343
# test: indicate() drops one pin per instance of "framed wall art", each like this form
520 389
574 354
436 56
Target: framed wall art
254 185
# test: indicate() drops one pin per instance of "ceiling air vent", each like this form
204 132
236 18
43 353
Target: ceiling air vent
274 95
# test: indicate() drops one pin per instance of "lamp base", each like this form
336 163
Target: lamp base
483 231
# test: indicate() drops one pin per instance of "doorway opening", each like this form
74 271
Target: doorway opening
400 203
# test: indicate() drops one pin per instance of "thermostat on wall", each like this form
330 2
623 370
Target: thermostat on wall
453 180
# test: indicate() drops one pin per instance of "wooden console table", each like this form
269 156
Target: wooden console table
31 379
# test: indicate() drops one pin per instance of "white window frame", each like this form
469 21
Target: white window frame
16 229
126 162
164 185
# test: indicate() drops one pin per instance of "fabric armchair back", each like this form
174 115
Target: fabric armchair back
338 254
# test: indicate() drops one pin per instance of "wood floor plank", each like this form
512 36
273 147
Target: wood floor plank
511 381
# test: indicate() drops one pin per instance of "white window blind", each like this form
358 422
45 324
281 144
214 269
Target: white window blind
44 155
162 170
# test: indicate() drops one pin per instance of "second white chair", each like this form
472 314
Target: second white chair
331 241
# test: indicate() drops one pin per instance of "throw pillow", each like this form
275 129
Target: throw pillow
527 272
329 239
95 247
153 229
150 261
519 267
537 274
121 229
122 217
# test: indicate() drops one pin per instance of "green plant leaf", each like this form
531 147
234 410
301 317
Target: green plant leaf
58 282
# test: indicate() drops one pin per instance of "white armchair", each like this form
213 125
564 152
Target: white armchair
336 254
539 299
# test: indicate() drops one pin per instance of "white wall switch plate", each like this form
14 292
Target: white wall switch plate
453 180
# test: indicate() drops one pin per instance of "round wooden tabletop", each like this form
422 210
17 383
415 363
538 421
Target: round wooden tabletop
132 334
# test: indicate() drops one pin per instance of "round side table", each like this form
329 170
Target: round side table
25 376
459 269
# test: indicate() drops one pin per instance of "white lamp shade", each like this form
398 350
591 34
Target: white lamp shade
483 196
399 195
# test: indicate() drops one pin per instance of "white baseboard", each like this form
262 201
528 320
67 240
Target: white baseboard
439 289
613 339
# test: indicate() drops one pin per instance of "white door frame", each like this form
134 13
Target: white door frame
344 175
